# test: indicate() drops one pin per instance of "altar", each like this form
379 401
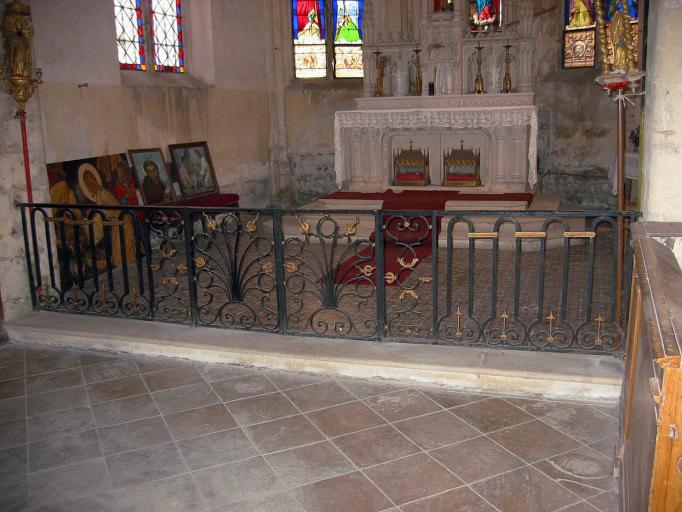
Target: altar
503 128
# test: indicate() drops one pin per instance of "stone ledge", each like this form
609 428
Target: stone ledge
511 372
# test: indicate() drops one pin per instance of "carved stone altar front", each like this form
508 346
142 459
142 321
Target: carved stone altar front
503 127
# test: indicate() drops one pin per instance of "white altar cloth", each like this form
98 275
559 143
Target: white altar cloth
455 118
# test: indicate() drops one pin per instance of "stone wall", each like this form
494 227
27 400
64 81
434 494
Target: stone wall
14 280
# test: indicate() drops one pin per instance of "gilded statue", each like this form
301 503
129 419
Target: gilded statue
620 48
17 29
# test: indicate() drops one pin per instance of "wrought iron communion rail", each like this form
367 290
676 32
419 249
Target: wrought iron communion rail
516 279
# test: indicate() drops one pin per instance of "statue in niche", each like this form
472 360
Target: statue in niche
580 14
620 48
615 6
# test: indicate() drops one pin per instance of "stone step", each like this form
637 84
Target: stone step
510 372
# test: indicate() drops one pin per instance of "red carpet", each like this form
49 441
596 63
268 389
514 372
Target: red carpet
411 242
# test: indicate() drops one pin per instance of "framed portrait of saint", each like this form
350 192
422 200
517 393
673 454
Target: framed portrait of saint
152 176
194 169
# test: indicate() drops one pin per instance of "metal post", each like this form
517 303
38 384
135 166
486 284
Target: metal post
621 207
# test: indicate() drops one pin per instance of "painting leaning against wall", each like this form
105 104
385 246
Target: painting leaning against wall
99 181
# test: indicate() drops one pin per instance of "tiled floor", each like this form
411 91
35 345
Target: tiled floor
96 432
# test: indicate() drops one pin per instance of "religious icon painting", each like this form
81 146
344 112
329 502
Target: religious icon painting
485 14
152 176
86 244
194 169
310 52
579 34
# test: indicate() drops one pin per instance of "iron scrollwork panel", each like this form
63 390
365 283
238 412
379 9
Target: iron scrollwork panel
329 278
408 252
234 271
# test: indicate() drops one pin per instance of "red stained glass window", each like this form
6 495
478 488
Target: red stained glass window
167 37
130 34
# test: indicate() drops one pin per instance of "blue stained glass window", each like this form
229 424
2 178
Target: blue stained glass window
130 34
310 50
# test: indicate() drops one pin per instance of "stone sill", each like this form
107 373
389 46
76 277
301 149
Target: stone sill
325 85
156 79
510 372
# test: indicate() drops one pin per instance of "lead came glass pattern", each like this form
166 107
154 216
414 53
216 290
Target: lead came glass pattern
348 38
310 52
130 34
579 34
167 37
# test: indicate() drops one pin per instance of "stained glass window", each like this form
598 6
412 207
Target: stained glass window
130 34
310 50
348 38
579 34
166 24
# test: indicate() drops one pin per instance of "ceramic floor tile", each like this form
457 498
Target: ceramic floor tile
283 434
116 389
584 423
10 354
173 378
158 364
237 481
308 464
435 430
54 381
54 401
12 388
346 493
134 435
534 441
88 358
61 484
12 409
402 405
185 397
453 399
540 408
318 396
14 493
375 446
54 362
290 380
13 461
457 500
582 471
61 422
63 449
12 433
606 502
216 372
492 414
525 489
275 503
153 463
261 408
216 449
344 419
411 478
109 370
12 370
124 410
243 387
197 422
104 502
476 459
177 494
367 388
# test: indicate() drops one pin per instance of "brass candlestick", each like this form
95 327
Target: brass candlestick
507 82
417 73
479 86
379 82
